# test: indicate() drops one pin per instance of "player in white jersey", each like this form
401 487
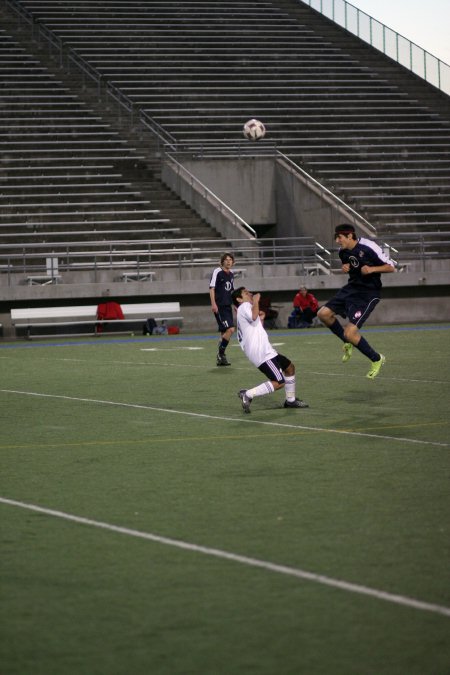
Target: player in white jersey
255 344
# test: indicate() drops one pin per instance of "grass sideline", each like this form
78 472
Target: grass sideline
149 436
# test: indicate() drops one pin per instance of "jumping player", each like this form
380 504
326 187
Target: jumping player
364 261
220 290
254 342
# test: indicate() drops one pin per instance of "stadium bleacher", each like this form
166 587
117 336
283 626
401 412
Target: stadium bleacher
65 174
370 133
199 69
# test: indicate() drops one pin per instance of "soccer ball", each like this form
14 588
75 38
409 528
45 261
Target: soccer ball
254 130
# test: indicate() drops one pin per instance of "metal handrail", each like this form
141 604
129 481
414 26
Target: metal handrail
229 151
209 195
265 251
86 69
22 13
298 256
405 52
353 215
157 130
153 250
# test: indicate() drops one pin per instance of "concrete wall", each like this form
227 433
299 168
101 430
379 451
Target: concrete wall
246 185
405 300
302 211
264 191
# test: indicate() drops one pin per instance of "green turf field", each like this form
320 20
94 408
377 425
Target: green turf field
316 542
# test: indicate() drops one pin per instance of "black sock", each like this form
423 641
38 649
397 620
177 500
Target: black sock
367 350
337 329
223 344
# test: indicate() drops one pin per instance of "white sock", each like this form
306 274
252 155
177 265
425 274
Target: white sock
289 387
260 390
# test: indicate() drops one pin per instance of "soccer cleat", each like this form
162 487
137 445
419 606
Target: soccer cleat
245 400
376 367
295 404
347 349
222 360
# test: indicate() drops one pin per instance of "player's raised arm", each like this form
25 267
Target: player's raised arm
255 306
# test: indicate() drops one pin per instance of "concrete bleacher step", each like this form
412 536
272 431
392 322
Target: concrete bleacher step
330 102
59 143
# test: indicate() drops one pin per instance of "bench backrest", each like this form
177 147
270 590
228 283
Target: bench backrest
90 311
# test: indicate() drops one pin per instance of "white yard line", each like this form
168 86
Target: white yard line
242 559
244 420
170 349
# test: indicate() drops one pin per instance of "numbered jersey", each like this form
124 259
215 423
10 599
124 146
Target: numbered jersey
222 282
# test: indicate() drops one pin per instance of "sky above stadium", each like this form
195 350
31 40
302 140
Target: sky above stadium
425 22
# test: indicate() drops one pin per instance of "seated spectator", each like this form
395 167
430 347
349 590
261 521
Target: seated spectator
305 309
270 314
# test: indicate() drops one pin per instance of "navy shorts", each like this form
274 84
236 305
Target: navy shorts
354 304
224 317
274 368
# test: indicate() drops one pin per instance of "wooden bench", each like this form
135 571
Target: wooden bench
27 320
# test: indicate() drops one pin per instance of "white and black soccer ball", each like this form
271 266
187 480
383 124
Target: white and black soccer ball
254 130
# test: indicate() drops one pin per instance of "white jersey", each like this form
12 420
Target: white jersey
252 336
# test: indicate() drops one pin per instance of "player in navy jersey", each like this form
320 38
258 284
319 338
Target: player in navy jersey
220 292
364 261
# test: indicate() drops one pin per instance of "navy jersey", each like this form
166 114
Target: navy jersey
222 282
366 252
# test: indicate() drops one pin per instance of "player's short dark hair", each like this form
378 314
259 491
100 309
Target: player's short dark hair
226 255
237 293
344 228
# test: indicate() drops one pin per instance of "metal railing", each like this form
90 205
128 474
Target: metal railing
208 195
405 247
86 70
347 211
264 257
33 259
386 40
418 249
